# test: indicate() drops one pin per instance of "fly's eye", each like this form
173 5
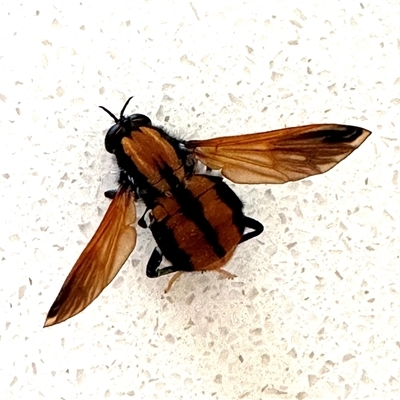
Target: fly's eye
138 120
114 137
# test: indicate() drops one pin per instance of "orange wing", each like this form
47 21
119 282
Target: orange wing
279 156
101 260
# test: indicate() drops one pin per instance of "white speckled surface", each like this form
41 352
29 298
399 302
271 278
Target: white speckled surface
315 310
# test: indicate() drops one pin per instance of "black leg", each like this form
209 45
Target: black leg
142 222
252 224
152 270
110 194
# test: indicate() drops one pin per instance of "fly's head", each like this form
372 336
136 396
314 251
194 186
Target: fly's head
123 127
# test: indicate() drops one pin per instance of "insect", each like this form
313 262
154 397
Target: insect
196 219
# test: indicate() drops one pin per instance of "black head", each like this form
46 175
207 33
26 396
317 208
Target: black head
123 127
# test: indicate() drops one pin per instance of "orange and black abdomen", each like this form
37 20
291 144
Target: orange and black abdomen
200 226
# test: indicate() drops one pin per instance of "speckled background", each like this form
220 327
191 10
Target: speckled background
315 310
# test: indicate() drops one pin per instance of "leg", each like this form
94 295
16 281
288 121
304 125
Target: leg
110 194
142 222
173 280
222 272
252 224
225 274
152 270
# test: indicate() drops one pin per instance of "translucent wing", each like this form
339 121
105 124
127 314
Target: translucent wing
101 260
279 156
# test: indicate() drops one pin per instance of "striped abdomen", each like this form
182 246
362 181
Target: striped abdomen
199 227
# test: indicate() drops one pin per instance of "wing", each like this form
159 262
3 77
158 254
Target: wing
279 156
101 260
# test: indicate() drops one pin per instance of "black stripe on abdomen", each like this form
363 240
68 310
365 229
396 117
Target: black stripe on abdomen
191 208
